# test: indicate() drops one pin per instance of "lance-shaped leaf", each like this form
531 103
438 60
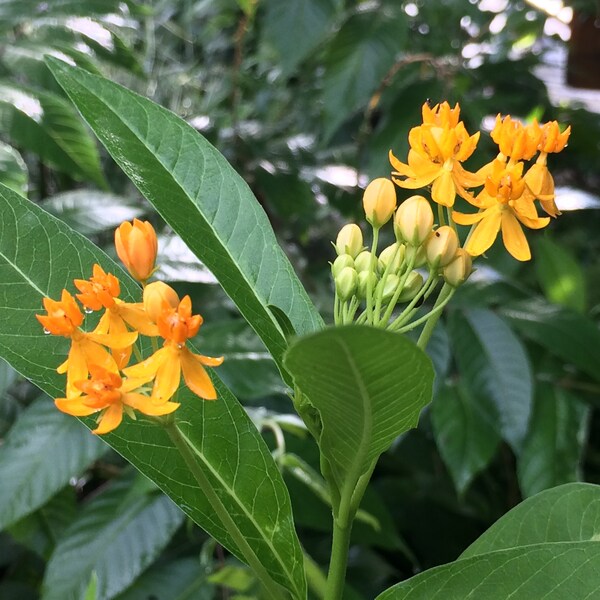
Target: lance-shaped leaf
368 385
40 256
203 199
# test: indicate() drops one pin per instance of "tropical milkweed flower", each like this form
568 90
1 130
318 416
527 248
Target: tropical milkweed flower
516 140
102 291
437 149
165 366
64 318
505 204
137 246
110 395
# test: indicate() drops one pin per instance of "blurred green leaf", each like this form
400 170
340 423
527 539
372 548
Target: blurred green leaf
13 170
53 257
552 452
233 577
464 436
116 537
368 385
45 124
493 362
296 28
199 194
38 458
560 275
92 590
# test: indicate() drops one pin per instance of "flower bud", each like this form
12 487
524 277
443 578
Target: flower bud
342 261
390 285
393 256
137 246
346 283
457 271
379 201
363 262
156 295
349 241
363 283
413 221
413 284
441 246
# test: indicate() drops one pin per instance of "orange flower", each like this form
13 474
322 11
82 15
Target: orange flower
101 291
155 295
436 150
515 140
108 393
165 366
505 203
552 140
64 318
136 246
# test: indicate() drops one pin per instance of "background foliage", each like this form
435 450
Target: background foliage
305 99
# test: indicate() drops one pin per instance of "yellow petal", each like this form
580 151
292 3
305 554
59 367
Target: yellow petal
103 326
464 219
148 368
77 369
400 167
110 420
196 378
95 354
209 361
168 376
136 317
485 233
537 223
133 383
443 191
74 406
62 368
147 406
122 340
513 237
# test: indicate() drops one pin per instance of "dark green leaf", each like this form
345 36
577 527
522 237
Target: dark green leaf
368 385
13 170
203 199
494 363
39 458
464 436
552 451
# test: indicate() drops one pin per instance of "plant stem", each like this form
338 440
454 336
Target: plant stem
188 455
339 559
372 268
445 293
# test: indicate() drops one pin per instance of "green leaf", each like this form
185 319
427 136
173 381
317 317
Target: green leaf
464 436
117 536
233 454
357 60
38 459
560 275
552 452
494 363
368 385
13 170
183 579
548 571
92 591
45 124
203 199
567 513
296 28
563 332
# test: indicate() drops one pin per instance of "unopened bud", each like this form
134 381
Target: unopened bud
390 285
457 271
363 262
363 283
136 246
392 257
413 220
413 284
156 295
379 201
349 241
419 254
346 283
342 261
441 246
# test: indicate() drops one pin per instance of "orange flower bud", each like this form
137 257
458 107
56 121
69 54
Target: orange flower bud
441 246
457 271
156 295
137 246
413 221
379 201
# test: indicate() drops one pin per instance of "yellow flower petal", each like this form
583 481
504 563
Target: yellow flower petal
443 191
147 406
168 376
121 340
485 233
196 378
465 219
136 317
75 406
76 368
95 354
148 368
513 237
110 420
209 361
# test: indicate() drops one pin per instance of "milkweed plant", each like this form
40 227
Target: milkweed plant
117 348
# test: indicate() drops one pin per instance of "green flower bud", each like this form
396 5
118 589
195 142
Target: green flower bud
349 241
457 271
390 285
379 201
363 283
441 246
363 262
342 261
413 221
420 257
413 284
346 283
393 256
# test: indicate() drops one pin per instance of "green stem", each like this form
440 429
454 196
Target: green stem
372 268
315 578
182 445
445 294
408 311
392 304
339 559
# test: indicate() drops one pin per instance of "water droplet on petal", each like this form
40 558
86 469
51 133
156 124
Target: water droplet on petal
88 310
47 331
180 346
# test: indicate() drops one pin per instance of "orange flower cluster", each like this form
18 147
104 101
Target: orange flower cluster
94 381
507 200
